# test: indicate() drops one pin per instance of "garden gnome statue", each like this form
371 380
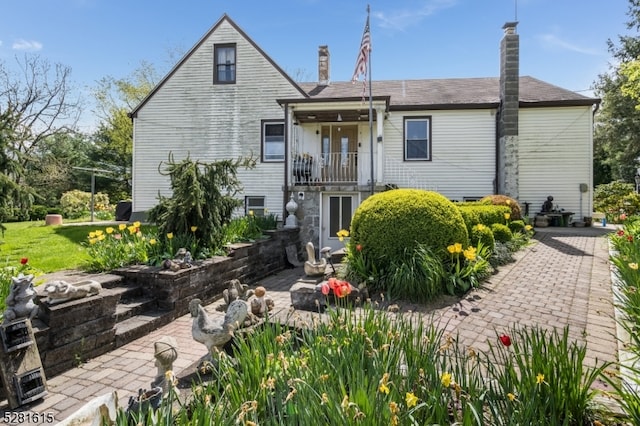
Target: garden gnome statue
261 303
20 301
165 352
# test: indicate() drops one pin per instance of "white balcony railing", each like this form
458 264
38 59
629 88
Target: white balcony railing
335 167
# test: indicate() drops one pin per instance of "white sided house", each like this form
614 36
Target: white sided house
464 138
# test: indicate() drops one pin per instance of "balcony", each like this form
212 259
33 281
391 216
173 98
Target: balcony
332 168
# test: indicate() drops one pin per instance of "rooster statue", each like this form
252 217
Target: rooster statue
214 334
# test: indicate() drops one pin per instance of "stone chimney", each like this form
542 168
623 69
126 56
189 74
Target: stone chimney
323 65
507 161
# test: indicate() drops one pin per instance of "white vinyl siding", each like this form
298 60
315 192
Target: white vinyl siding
462 153
191 116
555 157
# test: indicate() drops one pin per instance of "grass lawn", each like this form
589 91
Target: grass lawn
48 248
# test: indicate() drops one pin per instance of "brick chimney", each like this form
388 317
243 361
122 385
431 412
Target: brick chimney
507 161
323 65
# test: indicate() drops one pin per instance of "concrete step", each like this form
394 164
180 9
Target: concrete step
131 306
140 325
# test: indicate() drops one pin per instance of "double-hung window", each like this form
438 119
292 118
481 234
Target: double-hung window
224 63
417 138
272 140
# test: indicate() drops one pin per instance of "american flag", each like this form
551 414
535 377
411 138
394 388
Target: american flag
363 55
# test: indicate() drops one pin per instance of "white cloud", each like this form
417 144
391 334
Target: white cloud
400 20
30 46
553 41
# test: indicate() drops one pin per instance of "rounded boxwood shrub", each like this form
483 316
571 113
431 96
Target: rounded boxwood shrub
503 200
482 234
501 232
516 226
389 223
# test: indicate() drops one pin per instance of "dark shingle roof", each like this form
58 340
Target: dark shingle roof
450 92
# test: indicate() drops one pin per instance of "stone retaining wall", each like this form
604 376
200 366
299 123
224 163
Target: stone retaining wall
72 332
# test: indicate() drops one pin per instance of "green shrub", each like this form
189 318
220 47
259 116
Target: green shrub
487 215
616 198
504 200
37 212
484 235
76 204
388 223
501 232
516 226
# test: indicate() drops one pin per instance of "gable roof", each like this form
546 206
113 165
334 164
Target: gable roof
448 93
224 18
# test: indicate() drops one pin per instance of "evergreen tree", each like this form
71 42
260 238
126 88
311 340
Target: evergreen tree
204 197
617 132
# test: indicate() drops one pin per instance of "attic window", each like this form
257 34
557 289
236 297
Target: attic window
224 64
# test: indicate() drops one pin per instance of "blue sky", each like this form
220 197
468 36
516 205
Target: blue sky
562 42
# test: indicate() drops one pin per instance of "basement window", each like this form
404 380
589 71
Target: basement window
255 205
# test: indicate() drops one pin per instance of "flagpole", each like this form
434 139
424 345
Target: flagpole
373 184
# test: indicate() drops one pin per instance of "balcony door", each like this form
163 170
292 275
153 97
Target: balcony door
339 153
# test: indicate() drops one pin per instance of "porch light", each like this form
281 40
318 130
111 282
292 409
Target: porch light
311 116
339 117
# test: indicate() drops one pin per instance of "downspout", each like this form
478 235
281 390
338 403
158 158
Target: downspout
497 133
285 189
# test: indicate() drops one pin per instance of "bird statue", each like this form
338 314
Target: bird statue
214 334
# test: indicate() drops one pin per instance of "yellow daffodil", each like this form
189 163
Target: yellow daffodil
411 399
507 216
324 399
101 237
170 235
383 388
345 402
109 230
122 227
99 232
342 233
511 396
136 224
194 228
633 265
540 378
455 248
528 227
132 229
445 378
470 253
93 241
393 407
92 234
153 241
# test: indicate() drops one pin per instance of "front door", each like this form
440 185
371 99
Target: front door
337 211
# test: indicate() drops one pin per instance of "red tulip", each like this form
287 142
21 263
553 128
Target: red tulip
506 340
620 233
24 261
325 289
359 247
